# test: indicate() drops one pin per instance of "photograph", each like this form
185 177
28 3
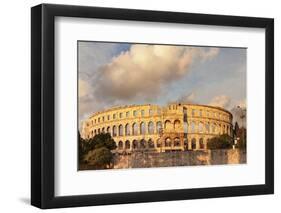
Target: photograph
132 105
144 105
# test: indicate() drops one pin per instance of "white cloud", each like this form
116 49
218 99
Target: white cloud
84 88
221 101
143 70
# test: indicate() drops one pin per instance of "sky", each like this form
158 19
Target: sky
114 74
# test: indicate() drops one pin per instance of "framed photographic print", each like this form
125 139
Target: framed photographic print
139 106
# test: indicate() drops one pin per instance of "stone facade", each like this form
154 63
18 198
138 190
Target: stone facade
160 129
184 158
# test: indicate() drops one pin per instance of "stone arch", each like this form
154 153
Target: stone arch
168 142
177 124
192 126
213 128
120 145
201 143
108 129
150 143
158 126
142 144
168 125
127 144
177 142
227 130
114 131
150 127
193 143
207 141
200 127
207 127
142 128
95 131
103 130
185 144
135 129
158 143
127 129
217 129
135 144
120 130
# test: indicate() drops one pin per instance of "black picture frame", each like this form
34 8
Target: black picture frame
43 105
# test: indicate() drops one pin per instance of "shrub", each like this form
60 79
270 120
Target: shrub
220 142
101 158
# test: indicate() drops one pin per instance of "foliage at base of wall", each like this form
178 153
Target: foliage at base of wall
97 151
220 142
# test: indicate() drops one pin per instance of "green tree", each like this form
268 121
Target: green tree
242 135
101 140
97 150
81 147
101 158
220 142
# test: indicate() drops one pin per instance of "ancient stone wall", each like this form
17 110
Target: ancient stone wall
182 158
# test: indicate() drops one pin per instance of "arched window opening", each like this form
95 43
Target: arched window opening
142 144
135 144
135 113
207 127
158 143
177 142
127 145
177 124
127 129
150 143
220 129
168 125
150 127
114 131
168 142
185 143
201 143
135 129
193 143
142 128
213 128
120 145
192 125
207 141
120 130
159 126
200 127
108 130
193 112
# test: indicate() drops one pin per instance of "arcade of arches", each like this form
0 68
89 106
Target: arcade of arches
155 128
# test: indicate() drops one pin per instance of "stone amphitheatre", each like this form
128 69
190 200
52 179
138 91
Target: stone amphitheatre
153 128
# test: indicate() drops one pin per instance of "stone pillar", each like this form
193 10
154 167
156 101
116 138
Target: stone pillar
197 143
189 144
